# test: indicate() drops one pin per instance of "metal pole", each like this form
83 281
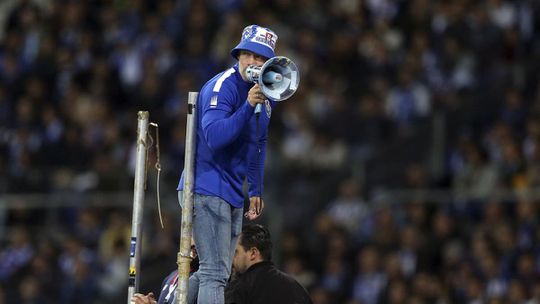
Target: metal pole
138 201
184 254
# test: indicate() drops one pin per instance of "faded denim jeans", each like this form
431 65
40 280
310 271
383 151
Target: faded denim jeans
216 226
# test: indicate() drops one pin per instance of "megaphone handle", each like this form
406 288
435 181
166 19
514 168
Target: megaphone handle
257 108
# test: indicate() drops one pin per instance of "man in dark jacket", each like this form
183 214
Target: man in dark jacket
256 279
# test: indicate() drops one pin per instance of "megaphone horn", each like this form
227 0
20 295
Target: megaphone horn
280 78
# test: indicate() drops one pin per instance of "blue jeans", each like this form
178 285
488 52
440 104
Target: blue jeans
216 226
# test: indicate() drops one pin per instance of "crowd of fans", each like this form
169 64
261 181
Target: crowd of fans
394 94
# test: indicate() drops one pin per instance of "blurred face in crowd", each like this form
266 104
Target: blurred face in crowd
368 260
247 58
397 292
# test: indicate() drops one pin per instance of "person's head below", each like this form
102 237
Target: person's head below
254 246
255 48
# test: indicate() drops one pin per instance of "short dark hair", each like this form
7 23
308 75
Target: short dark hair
259 237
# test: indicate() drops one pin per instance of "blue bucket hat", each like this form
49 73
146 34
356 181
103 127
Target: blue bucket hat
258 40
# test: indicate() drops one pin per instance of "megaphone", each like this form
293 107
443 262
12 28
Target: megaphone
278 78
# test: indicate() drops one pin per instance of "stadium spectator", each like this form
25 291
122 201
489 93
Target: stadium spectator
231 148
256 279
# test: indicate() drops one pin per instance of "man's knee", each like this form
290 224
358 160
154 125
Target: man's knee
213 276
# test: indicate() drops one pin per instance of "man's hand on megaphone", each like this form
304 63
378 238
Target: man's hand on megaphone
255 96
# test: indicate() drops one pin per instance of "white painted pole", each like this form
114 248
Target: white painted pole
184 254
138 202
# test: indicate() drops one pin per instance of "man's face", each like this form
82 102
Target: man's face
247 58
241 260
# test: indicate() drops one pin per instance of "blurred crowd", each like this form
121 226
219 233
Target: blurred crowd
394 94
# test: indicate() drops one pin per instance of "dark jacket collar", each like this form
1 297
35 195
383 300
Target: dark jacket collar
260 265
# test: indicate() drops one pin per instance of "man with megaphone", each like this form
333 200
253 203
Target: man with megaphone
232 124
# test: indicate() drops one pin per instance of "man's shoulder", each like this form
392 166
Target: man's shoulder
269 284
224 80
169 278
267 271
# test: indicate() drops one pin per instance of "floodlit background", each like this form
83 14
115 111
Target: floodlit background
404 170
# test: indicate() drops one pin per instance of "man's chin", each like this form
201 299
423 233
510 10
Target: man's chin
244 76
237 271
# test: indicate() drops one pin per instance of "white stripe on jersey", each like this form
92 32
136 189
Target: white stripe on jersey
213 101
219 82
